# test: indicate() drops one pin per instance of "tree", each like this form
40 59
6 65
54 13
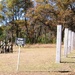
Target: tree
37 22
13 14
1 31
42 19
20 7
48 13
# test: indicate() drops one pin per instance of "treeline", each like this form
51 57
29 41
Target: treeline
35 20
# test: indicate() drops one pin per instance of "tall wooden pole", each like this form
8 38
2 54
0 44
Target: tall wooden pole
58 46
66 42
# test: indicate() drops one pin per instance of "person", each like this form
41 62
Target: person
1 44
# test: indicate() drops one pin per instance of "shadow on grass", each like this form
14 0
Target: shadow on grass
71 61
64 71
67 62
70 57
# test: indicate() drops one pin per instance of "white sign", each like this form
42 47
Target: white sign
20 41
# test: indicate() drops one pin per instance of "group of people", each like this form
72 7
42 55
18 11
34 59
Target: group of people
6 46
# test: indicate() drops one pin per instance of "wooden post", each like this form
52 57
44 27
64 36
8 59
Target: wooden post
66 42
72 41
69 42
18 61
58 46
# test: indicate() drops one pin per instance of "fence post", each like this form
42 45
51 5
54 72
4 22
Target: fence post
58 46
74 42
66 42
69 42
72 47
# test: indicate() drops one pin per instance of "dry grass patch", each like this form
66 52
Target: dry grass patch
37 60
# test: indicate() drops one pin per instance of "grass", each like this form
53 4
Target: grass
37 59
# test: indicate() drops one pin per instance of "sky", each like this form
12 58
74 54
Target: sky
34 2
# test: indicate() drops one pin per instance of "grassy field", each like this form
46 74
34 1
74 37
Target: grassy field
37 60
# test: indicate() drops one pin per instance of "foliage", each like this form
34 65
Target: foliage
1 31
36 23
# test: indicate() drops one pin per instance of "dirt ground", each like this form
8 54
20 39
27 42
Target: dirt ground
37 59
